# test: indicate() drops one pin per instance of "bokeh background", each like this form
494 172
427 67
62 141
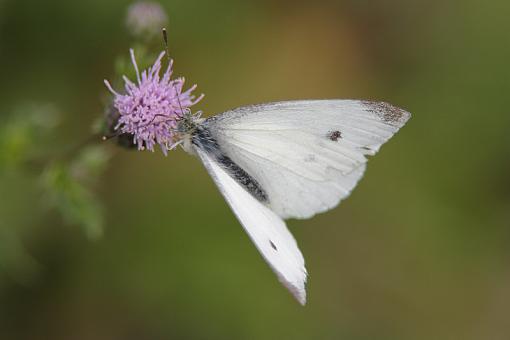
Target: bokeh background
419 251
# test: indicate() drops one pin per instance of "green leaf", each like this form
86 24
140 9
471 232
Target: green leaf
90 163
73 200
23 131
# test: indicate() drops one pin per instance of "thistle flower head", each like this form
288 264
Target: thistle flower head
145 18
150 108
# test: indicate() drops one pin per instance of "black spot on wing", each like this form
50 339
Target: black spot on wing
202 138
335 135
273 245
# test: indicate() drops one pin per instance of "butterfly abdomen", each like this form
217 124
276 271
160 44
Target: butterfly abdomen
201 138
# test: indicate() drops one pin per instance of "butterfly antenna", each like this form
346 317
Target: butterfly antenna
108 137
165 39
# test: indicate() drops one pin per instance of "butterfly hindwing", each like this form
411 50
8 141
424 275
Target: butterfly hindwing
266 229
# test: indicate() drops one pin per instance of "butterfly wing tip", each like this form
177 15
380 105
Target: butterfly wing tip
387 112
297 291
301 298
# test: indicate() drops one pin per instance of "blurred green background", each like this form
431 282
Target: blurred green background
419 251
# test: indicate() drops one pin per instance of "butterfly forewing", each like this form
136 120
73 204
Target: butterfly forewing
307 155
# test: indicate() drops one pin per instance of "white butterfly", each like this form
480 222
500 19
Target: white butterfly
289 159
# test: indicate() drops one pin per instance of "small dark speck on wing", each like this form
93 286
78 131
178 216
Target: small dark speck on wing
309 158
272 245
335 135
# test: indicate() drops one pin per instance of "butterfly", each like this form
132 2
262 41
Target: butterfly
290 159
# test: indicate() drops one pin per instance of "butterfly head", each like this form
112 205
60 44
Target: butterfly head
187 125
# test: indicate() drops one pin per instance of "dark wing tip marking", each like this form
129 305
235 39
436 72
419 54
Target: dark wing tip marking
387 112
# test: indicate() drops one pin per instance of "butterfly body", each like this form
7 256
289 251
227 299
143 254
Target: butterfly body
288 160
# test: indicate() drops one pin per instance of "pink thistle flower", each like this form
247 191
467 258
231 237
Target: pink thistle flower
151 107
